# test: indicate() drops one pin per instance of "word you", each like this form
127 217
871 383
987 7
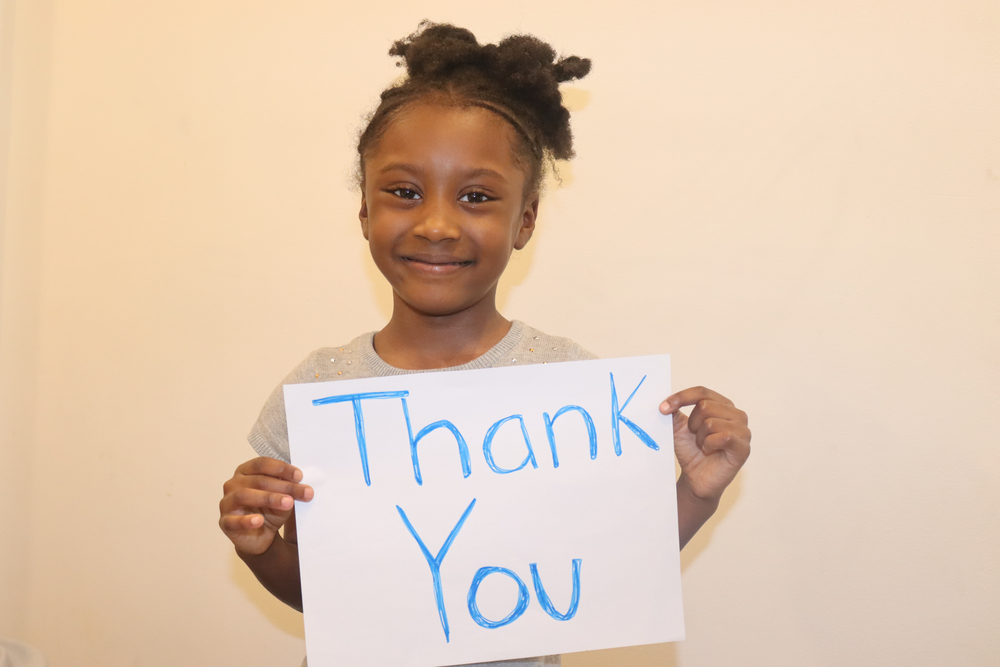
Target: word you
434 562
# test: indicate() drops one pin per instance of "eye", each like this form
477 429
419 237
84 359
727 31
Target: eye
475 197
404 193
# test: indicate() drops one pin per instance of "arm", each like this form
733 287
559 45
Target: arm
257 501
711 446
278 567
692 511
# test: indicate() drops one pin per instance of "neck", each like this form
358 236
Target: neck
417 341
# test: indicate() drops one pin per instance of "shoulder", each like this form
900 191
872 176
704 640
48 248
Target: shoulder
539 347
269 435
339 362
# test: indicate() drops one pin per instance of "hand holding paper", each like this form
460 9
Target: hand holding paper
711 446
258 500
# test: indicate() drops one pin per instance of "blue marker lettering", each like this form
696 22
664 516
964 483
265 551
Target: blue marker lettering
543 598
522 598
435 561
463 449
591 431
488 446
359 418
617 419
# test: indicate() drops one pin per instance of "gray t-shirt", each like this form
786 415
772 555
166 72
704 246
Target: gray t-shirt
521 346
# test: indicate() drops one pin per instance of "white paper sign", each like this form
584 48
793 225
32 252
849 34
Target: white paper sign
469 516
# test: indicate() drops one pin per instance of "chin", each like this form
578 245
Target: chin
439 311
439 308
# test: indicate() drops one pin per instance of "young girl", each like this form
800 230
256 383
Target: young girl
451 165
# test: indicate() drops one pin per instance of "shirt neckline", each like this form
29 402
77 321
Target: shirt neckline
488 359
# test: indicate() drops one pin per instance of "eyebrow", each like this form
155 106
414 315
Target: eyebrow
486 172
402 166
414 169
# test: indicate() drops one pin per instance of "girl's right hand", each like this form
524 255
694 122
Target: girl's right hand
258 500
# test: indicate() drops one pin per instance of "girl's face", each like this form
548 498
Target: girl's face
443 206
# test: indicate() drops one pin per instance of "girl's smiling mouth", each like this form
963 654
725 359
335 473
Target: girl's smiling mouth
436 260
435 264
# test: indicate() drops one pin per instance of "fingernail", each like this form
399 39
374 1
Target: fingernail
297 476
665 407
286 502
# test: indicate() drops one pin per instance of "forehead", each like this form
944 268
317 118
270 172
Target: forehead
435 135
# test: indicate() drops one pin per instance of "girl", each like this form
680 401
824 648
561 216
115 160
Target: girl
451 165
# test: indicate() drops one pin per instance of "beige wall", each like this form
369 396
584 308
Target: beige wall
23 76
799 201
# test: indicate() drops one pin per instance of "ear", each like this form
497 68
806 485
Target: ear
363 216
528 216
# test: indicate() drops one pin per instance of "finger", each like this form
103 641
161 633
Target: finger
267 483
270 467
690 396
247 501
254 500
266 516
718 427
729 442
234 523
263 465
709 409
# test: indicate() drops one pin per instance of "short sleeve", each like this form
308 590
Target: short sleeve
269 435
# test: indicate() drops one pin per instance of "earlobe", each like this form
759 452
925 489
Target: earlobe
363 217
528 217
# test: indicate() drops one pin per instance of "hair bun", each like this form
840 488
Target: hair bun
437 50
571 68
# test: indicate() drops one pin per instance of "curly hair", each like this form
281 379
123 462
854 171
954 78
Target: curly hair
517 78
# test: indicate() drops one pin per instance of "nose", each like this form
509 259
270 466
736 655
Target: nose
438 221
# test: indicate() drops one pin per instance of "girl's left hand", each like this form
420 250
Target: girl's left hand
712 444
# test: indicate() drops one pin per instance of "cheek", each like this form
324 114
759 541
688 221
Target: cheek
379 246
379 241
500 247
381 225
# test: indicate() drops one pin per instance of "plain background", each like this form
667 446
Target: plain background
798 200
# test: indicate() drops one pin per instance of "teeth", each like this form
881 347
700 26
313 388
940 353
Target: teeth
410 259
